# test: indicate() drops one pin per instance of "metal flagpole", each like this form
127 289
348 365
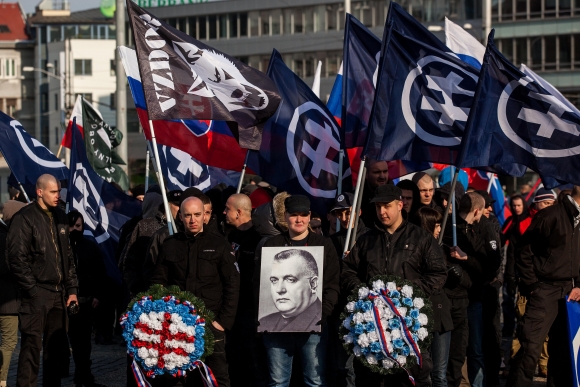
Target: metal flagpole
357 209
157 174
243 172
339 185
354 216
23 192
453 212
446 212
147 169
491 177
170 222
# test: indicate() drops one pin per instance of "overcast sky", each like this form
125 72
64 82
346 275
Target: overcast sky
75 5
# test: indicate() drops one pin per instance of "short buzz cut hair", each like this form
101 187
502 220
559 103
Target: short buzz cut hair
310 267
470 202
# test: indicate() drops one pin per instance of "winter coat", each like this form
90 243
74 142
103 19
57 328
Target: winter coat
9 292
410 253
549 250
90 267
330 270
205 265
39 252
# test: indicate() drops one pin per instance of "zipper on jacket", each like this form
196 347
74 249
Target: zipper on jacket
57 253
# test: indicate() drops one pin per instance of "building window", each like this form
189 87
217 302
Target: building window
233 30
55 34
83 67
56 102
254 20
212 26
565 52
113 66
57 135
11 106
44 102
85 32
276 16
8 68
265 23
243 24
112 101
223 27
202 28
192 26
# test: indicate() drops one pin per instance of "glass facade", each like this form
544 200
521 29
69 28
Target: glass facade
513 10
544 53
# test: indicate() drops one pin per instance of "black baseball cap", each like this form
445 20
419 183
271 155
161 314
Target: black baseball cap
297 204
386 194
174 196
343 201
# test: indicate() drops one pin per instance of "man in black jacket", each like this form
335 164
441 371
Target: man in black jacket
395 247
41 260
548 262
204 264
310 347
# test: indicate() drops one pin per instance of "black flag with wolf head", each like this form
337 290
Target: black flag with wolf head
186 79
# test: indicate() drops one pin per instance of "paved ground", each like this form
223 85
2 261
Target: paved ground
109 362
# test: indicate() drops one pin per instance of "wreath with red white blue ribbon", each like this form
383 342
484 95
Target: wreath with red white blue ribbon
387 326
165 331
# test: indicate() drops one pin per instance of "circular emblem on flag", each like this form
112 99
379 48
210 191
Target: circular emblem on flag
536 121
438 93
87 200
340 198
184 171
313 146
40 155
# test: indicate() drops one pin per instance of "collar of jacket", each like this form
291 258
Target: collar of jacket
379 227
182 235
40 209
571 208
289 240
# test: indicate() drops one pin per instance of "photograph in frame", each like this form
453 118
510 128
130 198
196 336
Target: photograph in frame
291 281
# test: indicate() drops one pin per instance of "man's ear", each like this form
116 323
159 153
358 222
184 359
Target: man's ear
314 283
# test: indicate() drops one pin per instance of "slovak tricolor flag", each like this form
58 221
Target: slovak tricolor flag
334 104
210 142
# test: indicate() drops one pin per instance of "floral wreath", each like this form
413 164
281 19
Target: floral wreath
387 327
165 333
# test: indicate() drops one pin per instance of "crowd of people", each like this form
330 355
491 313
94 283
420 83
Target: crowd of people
54 287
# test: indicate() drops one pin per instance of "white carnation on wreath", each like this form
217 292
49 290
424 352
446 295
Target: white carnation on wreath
423 320
350 306
407 291
422 333
402 360
391 286
402 311
363 340
378 285
369 316
395 334
372 359
418 303
358 318
388 363
373 336
363 293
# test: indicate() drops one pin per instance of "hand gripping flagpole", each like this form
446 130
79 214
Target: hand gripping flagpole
339 186
354 216
243 172
446 212
170 222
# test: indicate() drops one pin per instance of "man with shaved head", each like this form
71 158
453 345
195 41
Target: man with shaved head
426 187
41 260
204 264
242 235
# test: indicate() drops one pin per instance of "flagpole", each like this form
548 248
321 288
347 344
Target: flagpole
446 212
243 172
453 211
490 182
354 205
58 153
23 191
357 209
170 223
339 186
147 168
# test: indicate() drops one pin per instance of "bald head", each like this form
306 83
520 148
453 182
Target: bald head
238 210
426 187
191 213
45 179
47 191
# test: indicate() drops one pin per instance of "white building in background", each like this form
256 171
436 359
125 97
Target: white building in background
74 54
16 91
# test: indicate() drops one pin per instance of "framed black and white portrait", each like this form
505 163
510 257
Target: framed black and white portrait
291 289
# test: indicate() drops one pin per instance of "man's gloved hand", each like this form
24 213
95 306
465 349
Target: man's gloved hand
455 272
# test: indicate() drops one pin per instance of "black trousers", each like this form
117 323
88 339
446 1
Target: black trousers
545 314
459 340
491 333
42 324
79 334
